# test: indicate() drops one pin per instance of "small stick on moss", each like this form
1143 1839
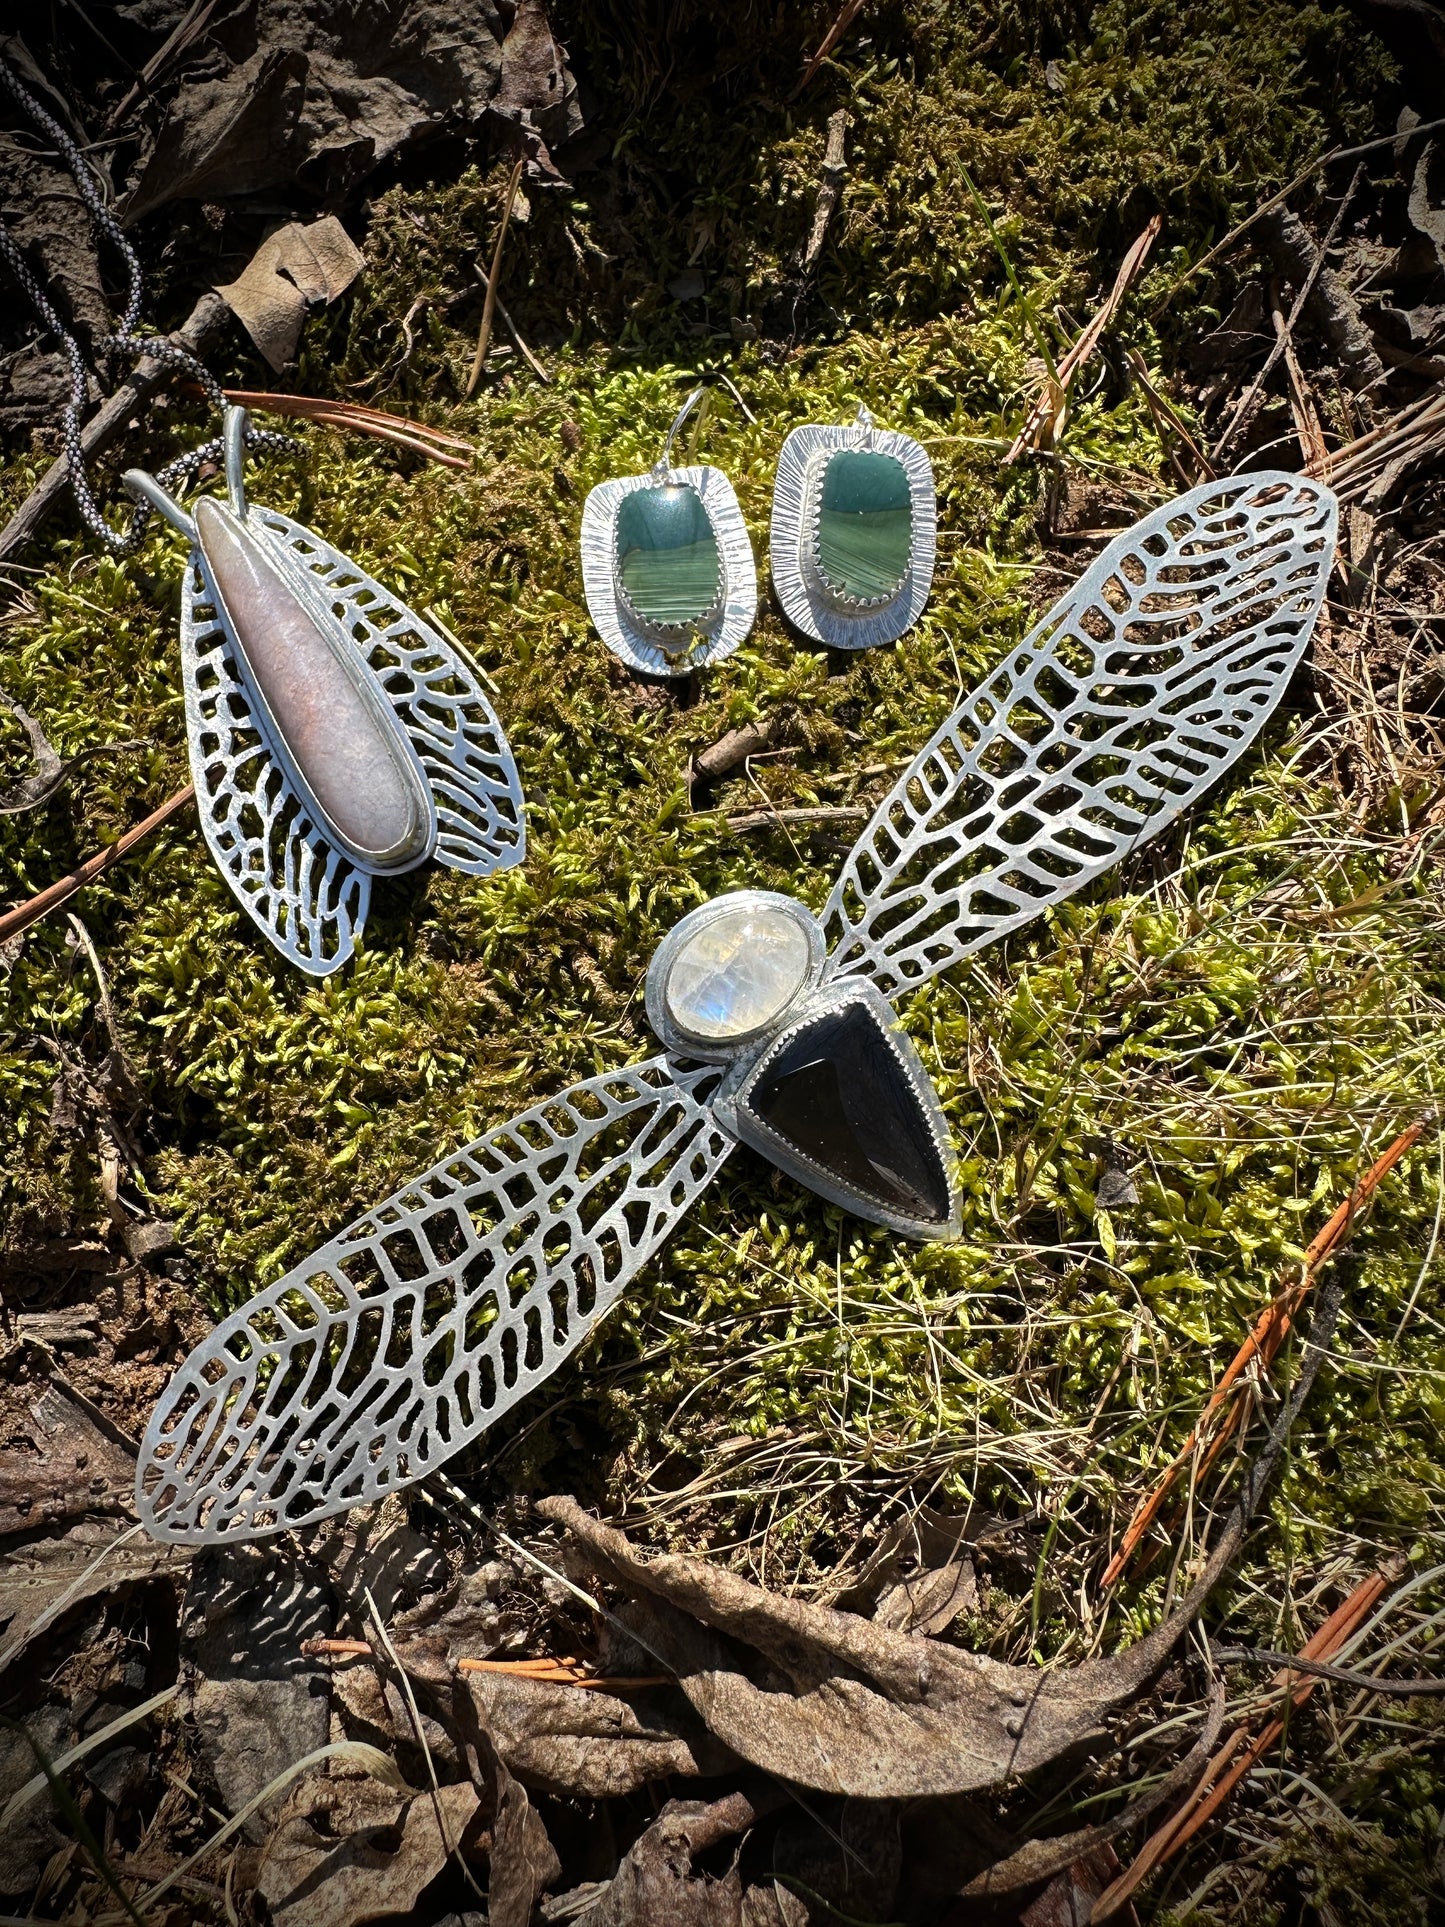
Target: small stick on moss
850 12
830 190
13 921
1045 419
767 819
512 329
1263 1342
489 306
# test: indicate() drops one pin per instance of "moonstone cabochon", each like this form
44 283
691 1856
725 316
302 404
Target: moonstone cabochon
737 972
667 555
339 736
802 589
618 627
865 524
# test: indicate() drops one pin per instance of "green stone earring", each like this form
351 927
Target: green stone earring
855 521
667 566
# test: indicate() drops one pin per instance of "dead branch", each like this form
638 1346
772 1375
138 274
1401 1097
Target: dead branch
830 191
200 327
22 915
1330 305
1301 300
764 819
728 751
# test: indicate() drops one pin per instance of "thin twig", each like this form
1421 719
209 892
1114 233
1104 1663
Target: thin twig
1294 314
765 819
1338 1675
1263 1342
22 915
489 305
850 12
1279 199
1238 1754
830 190
511 327
1045 418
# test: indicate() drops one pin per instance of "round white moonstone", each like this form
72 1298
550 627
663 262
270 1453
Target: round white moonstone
737 973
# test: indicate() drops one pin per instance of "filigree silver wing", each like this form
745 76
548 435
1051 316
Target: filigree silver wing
414 1330
1133 695
307 897
437 694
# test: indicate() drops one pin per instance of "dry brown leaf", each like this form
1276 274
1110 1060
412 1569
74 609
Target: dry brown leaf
293 269
656 1881
317 94
591 1745
826 1699
348 1851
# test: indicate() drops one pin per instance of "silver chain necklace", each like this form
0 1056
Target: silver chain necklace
125 340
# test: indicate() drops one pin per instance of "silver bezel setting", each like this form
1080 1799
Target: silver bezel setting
299 889
733 1113
643 645
808 600
722 1050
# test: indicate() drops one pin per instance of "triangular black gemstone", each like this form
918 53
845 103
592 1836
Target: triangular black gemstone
836 1093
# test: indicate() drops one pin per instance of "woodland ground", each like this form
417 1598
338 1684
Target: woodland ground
1244 1017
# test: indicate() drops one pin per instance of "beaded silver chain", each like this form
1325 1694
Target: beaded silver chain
124 342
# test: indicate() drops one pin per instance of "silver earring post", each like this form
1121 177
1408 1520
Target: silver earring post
236 423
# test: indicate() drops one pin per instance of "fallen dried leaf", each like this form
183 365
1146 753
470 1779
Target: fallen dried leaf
295 268
318 93
348 1851
826 1699
591 1745
656 1881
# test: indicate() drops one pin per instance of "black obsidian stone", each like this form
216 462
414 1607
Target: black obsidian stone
836 1094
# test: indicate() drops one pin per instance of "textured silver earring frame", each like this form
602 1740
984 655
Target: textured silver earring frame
650 648
806 597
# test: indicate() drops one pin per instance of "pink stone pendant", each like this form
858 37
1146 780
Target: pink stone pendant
334 735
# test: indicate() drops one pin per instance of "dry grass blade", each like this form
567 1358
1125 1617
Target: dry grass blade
22 915
1239 1753
489 305
1262 1344
1368 468
1045 418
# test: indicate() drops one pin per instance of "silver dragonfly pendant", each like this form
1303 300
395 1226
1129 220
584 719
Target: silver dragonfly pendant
334 736
414 1330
